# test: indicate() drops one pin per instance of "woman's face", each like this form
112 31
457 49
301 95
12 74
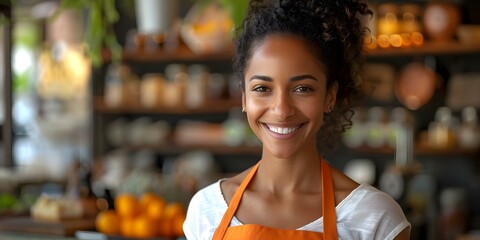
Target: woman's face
285 95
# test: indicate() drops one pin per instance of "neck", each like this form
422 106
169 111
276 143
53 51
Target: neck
299 173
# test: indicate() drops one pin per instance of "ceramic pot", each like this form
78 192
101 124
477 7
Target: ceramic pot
155 17
441 20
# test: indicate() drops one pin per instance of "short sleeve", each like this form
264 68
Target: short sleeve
370 214
189 225
205 211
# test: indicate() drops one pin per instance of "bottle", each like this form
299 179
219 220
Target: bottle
196 88
453 218
354 137
235 128
375 127
469 133
440 134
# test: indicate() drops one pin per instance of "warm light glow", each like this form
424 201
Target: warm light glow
406 39
388 24
64 72
370 42
417 38
412 102
383 41
395 40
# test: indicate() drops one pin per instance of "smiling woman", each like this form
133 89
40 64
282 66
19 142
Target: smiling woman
298 61
285 96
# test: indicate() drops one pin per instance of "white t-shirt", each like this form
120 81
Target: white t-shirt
366 213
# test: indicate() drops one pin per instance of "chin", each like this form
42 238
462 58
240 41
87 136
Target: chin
280 152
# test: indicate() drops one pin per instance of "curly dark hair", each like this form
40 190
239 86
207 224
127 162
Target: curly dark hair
336 35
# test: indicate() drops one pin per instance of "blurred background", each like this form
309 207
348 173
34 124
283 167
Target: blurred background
114 113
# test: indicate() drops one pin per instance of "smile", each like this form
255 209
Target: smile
283 130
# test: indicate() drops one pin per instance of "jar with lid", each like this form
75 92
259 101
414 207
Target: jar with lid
196 89
119 82
440 132
175 84
151 90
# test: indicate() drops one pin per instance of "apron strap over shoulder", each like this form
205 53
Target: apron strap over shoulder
328 203
234 203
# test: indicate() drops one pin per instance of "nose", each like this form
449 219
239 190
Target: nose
282 106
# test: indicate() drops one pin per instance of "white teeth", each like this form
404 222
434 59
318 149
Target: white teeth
282 130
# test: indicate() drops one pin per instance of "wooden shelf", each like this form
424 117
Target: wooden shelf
419 149
428 48
215 149
183 53
212 106
223 149
180 54
28 225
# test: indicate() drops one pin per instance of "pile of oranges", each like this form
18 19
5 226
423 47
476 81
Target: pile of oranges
146 216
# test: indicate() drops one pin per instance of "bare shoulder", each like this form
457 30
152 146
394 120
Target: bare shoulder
343 185
230 185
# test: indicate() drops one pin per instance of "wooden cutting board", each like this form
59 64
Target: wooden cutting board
26 224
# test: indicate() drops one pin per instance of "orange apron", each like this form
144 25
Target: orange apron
254 231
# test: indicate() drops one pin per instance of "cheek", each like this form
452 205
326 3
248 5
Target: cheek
254 104
314 112
253 110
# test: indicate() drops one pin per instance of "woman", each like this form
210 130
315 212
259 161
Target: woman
299 62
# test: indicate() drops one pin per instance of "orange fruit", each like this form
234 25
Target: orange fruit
174 209
147 197
127 227
156 209
152 205
177 225
165 228
127 205
144 227
107 222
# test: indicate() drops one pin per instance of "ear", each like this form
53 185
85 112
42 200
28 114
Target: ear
331 97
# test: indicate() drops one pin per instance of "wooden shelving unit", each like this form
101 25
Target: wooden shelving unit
179 54
215 149
183 53
428 48
212 106
419 149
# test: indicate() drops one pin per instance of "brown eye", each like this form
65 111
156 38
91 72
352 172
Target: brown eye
303 89
260 89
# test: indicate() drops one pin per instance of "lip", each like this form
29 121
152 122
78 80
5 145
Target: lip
283 131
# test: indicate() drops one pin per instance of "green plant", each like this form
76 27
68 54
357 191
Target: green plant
99 33
103 14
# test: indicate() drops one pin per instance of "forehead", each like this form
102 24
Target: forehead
288 49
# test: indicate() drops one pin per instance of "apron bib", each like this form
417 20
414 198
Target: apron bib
255 231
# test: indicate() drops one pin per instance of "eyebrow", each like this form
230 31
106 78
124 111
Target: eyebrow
295 78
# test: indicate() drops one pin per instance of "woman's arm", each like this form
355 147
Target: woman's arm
404 235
